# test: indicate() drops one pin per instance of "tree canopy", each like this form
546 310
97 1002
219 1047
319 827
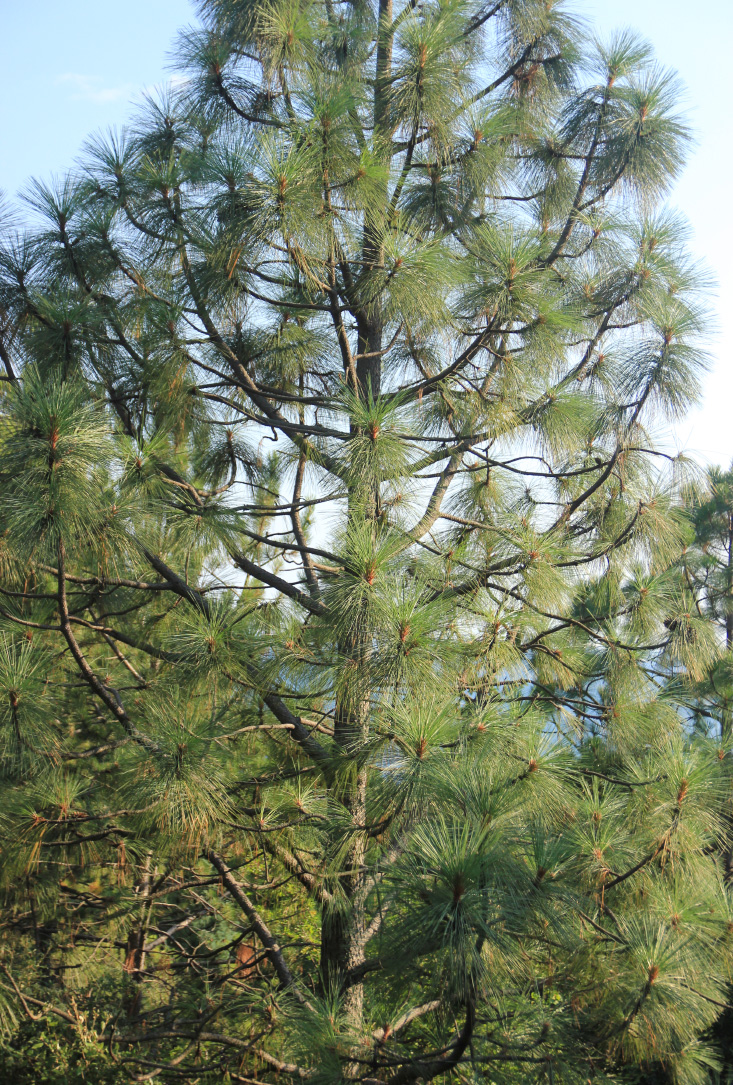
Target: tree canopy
364 654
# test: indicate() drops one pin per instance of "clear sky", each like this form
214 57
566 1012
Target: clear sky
70 67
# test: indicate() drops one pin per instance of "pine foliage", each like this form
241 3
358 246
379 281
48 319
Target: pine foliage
365 660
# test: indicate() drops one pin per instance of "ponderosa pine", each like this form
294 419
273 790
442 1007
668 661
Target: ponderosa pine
351 660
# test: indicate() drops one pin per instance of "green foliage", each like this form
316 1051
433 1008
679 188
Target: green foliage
44 1051
365 661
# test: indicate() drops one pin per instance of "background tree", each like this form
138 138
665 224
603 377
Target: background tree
348 665
707 568
708 571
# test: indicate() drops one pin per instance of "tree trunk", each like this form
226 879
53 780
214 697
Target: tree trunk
134 964
343 927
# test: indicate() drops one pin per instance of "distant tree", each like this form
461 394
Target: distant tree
349 660
707 567
712 574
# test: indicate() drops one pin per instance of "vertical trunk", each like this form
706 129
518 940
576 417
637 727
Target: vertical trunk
343 929
135 950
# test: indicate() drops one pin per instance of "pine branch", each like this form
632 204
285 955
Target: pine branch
261 929
106 694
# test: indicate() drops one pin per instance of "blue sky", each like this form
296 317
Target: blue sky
70 67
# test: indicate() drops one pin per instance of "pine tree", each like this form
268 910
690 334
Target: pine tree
707 579
349 666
